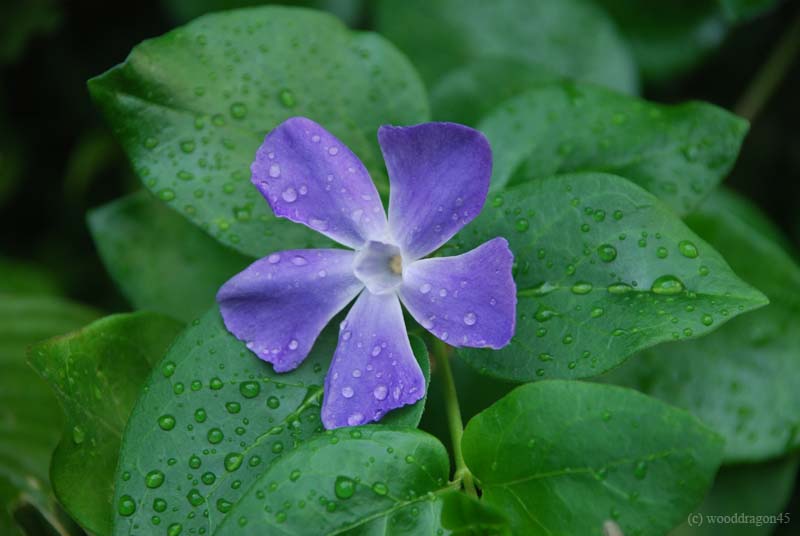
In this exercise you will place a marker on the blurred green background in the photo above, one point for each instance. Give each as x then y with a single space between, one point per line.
58 159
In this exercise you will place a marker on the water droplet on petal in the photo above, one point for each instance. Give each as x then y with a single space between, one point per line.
289 195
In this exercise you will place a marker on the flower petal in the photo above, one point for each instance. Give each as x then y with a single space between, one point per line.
468 300
279 304
373 370
308 176
439 175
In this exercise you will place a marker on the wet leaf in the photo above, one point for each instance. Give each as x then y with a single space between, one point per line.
192 106
209 422
96 374
160 261
603 270
679 153
628 458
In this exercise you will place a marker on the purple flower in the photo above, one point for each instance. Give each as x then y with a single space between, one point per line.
439 175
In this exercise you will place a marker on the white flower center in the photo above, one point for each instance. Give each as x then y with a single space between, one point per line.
379 266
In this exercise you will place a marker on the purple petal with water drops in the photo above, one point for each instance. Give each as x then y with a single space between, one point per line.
279 304
373 370
439 175
468 300
308 176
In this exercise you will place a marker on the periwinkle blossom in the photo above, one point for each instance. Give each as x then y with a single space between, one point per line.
439 177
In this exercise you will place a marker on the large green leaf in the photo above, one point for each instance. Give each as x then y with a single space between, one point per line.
741 380
192 106
356 481
160 261
759 491
96 374
562 457
30 421
209 422
572 37
603 269
679 153
669 38
466 94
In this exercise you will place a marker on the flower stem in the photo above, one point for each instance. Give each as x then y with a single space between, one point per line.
454 422
771 73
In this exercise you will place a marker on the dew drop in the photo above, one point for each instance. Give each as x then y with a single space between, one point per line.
687 249
470 319
154 479
667 285
166 422
289 195
249 389
380 392
607 252
347 392
126 506
344 487
275 171
581 287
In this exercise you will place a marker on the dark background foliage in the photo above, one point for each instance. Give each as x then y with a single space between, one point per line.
58 158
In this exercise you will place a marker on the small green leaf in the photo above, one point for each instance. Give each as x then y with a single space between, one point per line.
737 10
463 515
186 10
191 108
741 380
22 21
466 94
678 153
572 37
358 480
216 412
96 374
603 270
160 261
563 457
30 421
760 490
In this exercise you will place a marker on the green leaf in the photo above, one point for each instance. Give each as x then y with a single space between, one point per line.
572 37
603 270
678 153
22 21
737 10
466 94
191 108
96 374
185 10
25 279
160 261
466 516
371 480
741 380
30 421
216 412
757 490
562 457
669 38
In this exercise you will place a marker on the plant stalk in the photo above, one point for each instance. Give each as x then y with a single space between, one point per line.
454 422
771 73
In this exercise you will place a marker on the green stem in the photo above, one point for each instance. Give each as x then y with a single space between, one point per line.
454 422
771 73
